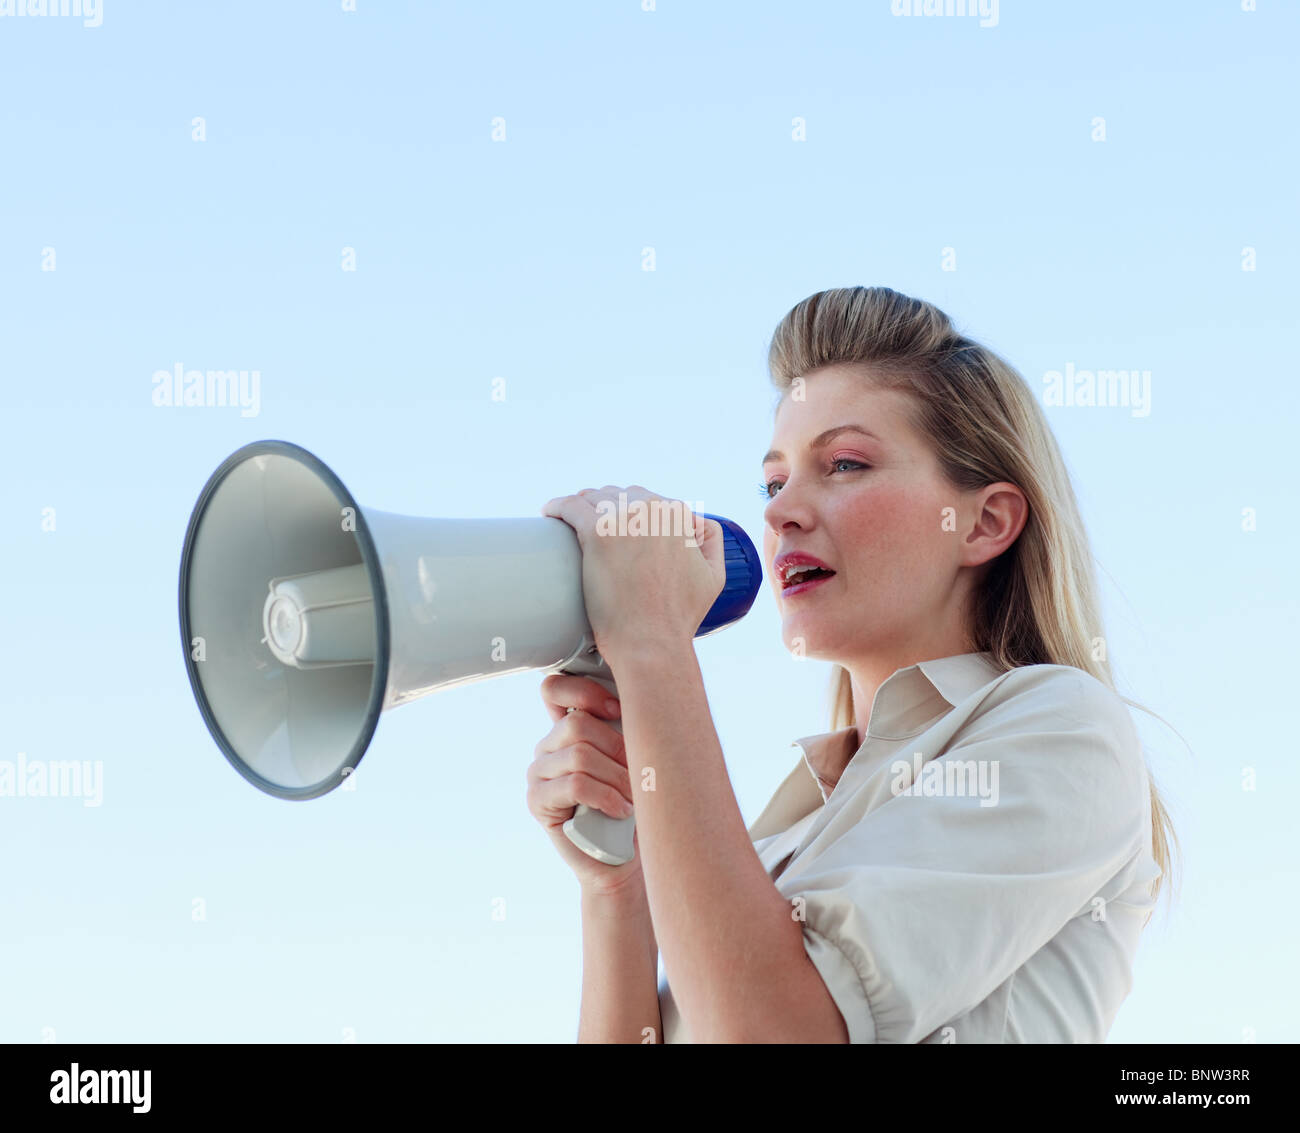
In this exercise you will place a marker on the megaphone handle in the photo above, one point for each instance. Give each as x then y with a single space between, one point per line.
606 839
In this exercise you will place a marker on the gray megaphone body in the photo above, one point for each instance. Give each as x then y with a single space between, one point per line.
304 616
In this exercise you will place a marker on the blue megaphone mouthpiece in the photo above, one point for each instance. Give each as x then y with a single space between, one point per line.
744 577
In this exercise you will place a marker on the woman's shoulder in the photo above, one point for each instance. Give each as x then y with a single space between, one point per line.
1058 724
1067 683
1064 696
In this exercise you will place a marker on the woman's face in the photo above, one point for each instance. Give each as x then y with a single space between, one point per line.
872 509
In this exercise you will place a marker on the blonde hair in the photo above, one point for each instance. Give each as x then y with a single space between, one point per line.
1037 604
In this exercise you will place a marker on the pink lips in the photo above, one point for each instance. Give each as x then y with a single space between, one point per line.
800 587
799 558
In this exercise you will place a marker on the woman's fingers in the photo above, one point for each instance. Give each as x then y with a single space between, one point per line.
581 758
553 800
578 727
562 691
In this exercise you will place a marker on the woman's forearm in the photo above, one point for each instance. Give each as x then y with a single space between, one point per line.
733 948
620 972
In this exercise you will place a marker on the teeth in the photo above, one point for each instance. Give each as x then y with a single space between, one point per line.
798 568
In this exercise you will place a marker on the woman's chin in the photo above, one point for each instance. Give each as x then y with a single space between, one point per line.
802 646
804 640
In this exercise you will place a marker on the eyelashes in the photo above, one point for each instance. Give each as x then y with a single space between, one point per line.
765 489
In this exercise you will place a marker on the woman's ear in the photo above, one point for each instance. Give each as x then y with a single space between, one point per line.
999 514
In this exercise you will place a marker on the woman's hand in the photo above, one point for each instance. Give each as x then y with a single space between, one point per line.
582 760
651 568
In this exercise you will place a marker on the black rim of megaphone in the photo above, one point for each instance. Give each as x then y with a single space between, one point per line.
379 679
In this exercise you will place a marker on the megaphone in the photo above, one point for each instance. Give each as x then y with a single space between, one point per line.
304 616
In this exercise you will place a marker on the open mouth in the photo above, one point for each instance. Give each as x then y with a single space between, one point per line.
803 577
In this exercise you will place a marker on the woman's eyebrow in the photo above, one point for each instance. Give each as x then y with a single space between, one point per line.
824 438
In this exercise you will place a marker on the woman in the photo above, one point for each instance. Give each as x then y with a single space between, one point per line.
972 851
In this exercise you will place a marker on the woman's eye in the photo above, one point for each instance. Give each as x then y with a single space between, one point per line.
765 490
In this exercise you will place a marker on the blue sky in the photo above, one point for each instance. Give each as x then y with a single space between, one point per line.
375 914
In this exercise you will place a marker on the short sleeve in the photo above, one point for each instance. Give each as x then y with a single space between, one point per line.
917 910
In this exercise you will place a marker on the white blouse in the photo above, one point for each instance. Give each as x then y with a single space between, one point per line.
981 870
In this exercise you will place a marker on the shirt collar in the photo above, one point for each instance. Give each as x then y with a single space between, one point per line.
905 705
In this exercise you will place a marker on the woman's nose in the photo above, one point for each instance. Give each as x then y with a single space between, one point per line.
784 509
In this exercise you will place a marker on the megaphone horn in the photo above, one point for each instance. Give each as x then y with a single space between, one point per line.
305 616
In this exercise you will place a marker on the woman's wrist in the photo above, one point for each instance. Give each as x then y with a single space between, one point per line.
649 655
626 903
